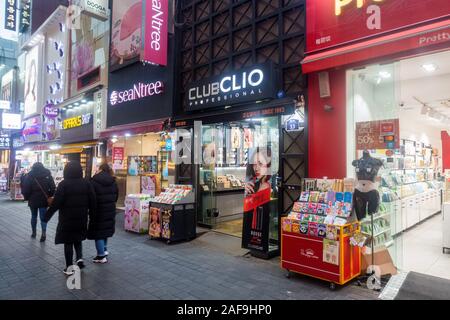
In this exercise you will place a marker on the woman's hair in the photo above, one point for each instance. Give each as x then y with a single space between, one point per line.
73 170
250 172
37 166
104 167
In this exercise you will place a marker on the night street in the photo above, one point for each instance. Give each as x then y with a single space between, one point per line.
140 268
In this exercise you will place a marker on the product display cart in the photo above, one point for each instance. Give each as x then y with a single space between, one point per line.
172 214
318 239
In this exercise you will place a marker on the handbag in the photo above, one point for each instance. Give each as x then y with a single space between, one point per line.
49 199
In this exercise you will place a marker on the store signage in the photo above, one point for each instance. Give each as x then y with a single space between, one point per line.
267 112
11 15
384 134
25 16
332 23
5 141
138 91
155 31
249 84
32 129
50 111
292 125
11 121
96 8
118 157
17 143
77 121
6 88
5 105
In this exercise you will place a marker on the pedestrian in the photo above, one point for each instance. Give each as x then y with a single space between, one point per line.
38 187
75 200
102 223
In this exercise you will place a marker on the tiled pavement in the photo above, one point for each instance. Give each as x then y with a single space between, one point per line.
140 268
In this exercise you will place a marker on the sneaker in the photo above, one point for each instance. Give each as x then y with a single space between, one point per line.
80 263
68 273
99 259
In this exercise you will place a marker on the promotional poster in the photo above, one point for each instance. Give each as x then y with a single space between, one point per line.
255 233
31 81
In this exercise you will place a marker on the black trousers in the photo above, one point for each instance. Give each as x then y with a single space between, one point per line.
365 203
68 252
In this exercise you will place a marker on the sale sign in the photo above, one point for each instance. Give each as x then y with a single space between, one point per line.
155 31
381 134
335 22
118 156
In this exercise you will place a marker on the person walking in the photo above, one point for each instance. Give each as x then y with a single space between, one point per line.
75 200
103 221
38 188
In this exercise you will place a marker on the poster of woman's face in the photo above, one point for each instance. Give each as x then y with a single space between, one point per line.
31 80
259 170
125 32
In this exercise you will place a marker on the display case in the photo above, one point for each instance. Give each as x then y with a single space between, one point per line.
172 214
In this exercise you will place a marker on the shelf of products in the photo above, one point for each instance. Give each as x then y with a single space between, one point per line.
318 237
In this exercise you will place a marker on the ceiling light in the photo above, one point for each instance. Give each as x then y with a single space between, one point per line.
378 80
84 100
77 104
385 74
429 67
127 135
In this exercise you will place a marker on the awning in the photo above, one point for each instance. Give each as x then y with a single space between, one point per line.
434 34
134 128
74 147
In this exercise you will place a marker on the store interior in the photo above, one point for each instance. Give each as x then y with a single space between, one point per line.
226 150
415 91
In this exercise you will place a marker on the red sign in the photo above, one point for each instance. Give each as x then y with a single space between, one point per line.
118 154
334 22
384 134
155 30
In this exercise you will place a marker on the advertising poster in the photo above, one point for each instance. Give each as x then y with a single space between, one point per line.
165 223
248 138
133 166
155 42
235 138
125 33
381 134
32 130
155 222
331 251
7 81
255 233
118 156
31 81
149 185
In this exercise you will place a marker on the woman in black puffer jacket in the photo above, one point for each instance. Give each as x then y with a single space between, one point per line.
102 223
75 200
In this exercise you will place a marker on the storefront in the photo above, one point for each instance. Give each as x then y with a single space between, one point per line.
379 84
233 129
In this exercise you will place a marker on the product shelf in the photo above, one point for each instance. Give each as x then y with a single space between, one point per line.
378 233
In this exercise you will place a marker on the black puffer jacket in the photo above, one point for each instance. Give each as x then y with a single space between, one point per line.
75 200
102 223
31 190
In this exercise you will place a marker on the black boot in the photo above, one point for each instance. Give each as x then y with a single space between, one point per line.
43 237
33 235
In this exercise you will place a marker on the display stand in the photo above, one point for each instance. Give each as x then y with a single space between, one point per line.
136 213
173 215
304 254
15 190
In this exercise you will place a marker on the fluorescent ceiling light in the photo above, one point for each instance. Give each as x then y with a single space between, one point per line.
385 74
429 67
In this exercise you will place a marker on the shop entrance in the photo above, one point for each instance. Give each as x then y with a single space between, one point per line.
238 158
412 95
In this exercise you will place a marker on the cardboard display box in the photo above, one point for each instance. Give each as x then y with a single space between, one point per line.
382 259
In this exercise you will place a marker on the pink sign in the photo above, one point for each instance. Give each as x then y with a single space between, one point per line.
155 30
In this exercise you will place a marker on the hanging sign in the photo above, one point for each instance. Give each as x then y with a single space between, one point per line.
11 15
155 31
25 16
50 111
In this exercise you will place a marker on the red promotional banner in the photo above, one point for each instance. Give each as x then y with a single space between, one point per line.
334 22
382 134
155 31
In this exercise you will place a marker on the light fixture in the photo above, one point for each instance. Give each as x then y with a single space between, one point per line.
378 80
27 149
429 67
77 104
114 136
114 140
385 74
83 101
55 147
127 135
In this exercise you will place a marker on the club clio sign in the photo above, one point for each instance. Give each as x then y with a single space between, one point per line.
138 91
155 31
335 22
249 84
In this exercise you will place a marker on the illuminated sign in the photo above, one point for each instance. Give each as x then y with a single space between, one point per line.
5 105
96 8
25 16
50 111
250 84
77 121
12 121
339 4
155 31
138 91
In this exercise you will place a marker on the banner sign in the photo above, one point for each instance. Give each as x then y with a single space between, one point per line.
382 134
25 16
155 31
11 15
335 22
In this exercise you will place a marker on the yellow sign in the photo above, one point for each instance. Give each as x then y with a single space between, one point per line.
339 4
76 122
